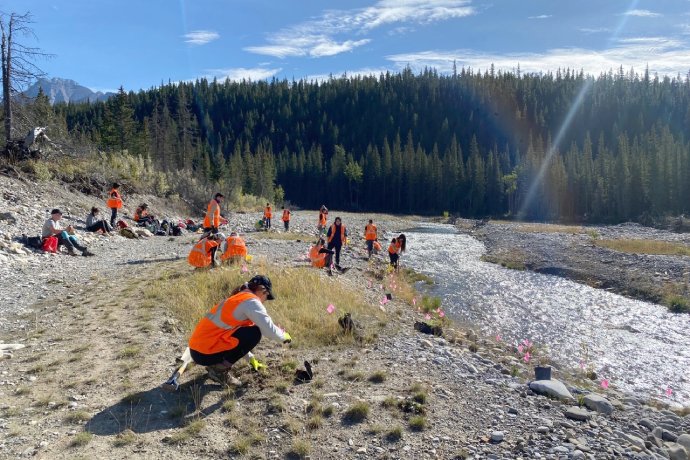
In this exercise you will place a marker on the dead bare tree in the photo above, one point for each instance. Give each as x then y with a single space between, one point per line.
18 62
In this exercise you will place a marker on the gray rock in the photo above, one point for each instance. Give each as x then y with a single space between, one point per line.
578 455
684 440
645 422
543 429
9 217
577 413
657 432
676 452
634 440
553 388
497 436
598 403
670 436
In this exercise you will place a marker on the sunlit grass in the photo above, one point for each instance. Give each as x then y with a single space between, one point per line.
302 295
645 247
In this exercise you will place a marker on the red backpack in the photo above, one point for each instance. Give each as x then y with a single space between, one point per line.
50 244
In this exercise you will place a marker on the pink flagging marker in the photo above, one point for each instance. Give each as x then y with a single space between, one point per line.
527 357
244 269
605 384
330 309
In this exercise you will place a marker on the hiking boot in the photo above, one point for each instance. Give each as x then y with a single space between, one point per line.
72 252
87 253
221 374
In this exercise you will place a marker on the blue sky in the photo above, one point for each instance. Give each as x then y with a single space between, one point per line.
139 44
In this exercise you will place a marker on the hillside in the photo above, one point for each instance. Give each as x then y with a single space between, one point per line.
101 334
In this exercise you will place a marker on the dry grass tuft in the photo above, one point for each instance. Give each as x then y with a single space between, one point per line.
645 247
302 295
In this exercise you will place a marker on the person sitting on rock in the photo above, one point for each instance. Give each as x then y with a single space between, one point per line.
142 216
320 256
95 224
65 236
235 249
203 254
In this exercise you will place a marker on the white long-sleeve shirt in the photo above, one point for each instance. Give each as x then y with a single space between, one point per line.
254 311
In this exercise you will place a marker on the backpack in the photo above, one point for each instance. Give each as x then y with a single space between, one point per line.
50 244
122 224
33 241
165 228
128 233
176 231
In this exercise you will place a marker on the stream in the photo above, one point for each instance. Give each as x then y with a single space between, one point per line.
638 346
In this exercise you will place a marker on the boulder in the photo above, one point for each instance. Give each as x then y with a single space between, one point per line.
598 403
553 388
577 413
684 440
676 451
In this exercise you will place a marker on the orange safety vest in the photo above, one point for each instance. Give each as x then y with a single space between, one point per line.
342 233
267 212
317 259
235 248
200 255
212 217
140 214
393 248
214 332
286 215
370 232
114 201
322 218
377 246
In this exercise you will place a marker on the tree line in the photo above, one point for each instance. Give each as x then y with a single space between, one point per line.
470 143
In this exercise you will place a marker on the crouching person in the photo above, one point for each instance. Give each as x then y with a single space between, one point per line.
320 256
203 254
94 223
235 249
65 236
233 328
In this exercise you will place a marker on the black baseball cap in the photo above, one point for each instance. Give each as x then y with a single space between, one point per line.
261 280
55 211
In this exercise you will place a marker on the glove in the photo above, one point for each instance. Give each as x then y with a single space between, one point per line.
287 338
256 364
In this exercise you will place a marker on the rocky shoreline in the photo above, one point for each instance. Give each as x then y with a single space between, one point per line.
571 252
72 392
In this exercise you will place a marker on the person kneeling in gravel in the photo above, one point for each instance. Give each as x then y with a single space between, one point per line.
94 223
232 328
65 236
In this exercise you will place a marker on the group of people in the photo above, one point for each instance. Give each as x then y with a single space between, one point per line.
268 215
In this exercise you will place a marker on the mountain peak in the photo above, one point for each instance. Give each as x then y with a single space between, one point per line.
65 90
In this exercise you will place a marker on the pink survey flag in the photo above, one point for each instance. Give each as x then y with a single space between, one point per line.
498 337
527 357
244 269
414 301
441 313
427 316
669 392
330 309
605 384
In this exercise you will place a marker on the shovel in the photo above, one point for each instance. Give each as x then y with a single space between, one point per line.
172 383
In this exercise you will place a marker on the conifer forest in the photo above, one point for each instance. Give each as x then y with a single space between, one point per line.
560 146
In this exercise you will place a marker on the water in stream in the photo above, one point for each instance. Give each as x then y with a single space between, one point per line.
640 347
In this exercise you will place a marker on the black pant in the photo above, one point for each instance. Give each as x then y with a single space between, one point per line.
113 216
249 337
394 259
337 246
286 223
100 225
267 222
370 247
70 243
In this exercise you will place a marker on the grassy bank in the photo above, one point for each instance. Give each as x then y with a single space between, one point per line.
641 246
302 298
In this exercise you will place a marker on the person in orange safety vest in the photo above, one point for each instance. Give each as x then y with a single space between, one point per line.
394 253
212 217
286 219
370 235
232 328
235 249
203 253
268 214
323 219
114 202
320 256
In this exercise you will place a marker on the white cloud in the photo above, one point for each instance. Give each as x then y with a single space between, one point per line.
200 37
541 16
599 30
642 13
663 56
240 73
684 29
364 72
323 36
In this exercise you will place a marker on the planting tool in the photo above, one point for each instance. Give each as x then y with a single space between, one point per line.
172 383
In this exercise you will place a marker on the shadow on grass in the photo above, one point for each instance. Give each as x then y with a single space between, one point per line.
155 410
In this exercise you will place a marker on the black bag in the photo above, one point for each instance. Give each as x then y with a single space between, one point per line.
176 231
426 328
35 242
